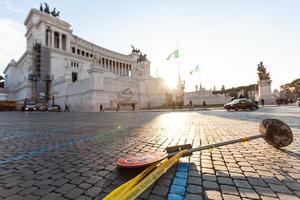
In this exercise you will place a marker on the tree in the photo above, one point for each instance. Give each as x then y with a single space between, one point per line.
222 88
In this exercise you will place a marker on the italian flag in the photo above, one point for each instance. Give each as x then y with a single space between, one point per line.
174 54
195 70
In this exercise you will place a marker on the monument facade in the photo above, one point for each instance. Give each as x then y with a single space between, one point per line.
59 67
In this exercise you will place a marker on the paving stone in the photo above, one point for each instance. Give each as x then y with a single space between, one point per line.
85 186
248 193
78 180
72 175
51 196
180 190
103 173
160 190
28 191
279 188
179 181
227 189
193 197
212 194
164 182
103 183
65 188
44 191
195 180
284 196
82 197
31 197
9 192
209 177
15 197
208 171
60 182
93 192
230 197
74 193
293 185
226 181
256 182
172 196
156 197
268 198
265 191
210 185
242 183
195 189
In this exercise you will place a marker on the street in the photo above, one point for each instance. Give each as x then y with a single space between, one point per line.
73 155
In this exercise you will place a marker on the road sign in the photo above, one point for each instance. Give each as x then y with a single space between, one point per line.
141 160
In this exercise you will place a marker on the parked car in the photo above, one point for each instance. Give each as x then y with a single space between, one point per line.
243 103
30 106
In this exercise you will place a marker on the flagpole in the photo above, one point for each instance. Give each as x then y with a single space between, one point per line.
178 61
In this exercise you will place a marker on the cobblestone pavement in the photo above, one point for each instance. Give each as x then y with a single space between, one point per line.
73 155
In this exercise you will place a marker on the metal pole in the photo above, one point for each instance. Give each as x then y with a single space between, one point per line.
188 151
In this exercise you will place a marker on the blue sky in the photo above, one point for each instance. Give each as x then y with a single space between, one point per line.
226 38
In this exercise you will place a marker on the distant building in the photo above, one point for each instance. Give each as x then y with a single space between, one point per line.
290 90
201 94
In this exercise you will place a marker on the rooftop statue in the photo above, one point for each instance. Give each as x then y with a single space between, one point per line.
142 57
135 50
262 72
54 13
47 10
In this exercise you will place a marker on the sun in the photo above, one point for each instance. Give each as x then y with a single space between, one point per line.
171 82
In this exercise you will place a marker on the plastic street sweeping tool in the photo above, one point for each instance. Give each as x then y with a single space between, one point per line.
275 132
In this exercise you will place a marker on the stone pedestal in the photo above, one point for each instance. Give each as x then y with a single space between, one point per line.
96 94
265 92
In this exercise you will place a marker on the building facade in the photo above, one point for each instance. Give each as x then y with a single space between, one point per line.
201 95
61 68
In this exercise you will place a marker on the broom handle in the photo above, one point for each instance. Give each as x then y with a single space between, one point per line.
220 144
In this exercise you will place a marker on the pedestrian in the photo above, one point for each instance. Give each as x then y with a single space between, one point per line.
262 102
204 103
132 107
101 107
191 105
66 107
118 107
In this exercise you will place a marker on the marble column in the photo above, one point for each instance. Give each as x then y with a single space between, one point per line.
49 37
52 38
60 41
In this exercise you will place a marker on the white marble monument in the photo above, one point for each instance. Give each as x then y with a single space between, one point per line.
61 66
264 86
